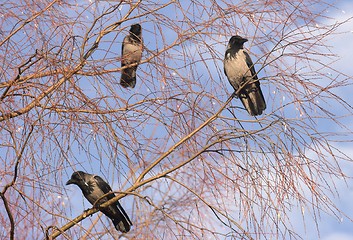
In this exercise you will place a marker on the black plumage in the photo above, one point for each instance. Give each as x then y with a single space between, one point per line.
93 187
241 74
131 53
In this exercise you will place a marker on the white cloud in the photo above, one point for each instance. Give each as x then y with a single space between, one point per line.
338 236
343 42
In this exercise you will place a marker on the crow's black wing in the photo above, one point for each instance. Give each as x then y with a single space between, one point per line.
122 51
250 65
104 187
115 212
226 57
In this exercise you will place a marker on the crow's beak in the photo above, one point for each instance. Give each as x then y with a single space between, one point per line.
70 182
244 40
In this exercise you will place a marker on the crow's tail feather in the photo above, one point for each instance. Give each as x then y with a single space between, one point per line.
254 101
122 225
119 217
128 77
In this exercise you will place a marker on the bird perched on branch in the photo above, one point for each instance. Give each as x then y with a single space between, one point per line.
131 53
93 188
241 74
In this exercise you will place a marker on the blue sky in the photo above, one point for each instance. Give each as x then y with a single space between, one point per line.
88 152
330 227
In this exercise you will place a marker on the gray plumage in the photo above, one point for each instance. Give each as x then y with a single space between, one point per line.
131 53
240 70
93 187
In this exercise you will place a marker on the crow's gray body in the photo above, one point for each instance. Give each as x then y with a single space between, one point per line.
131 53
93 188
241 74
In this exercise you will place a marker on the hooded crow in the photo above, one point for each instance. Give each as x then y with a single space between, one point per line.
131 53
94 187
241 73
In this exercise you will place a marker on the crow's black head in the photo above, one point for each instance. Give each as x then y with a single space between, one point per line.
77 178
237 41
136 29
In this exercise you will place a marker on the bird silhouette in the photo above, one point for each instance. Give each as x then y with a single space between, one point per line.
241 74
93 188
131 53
